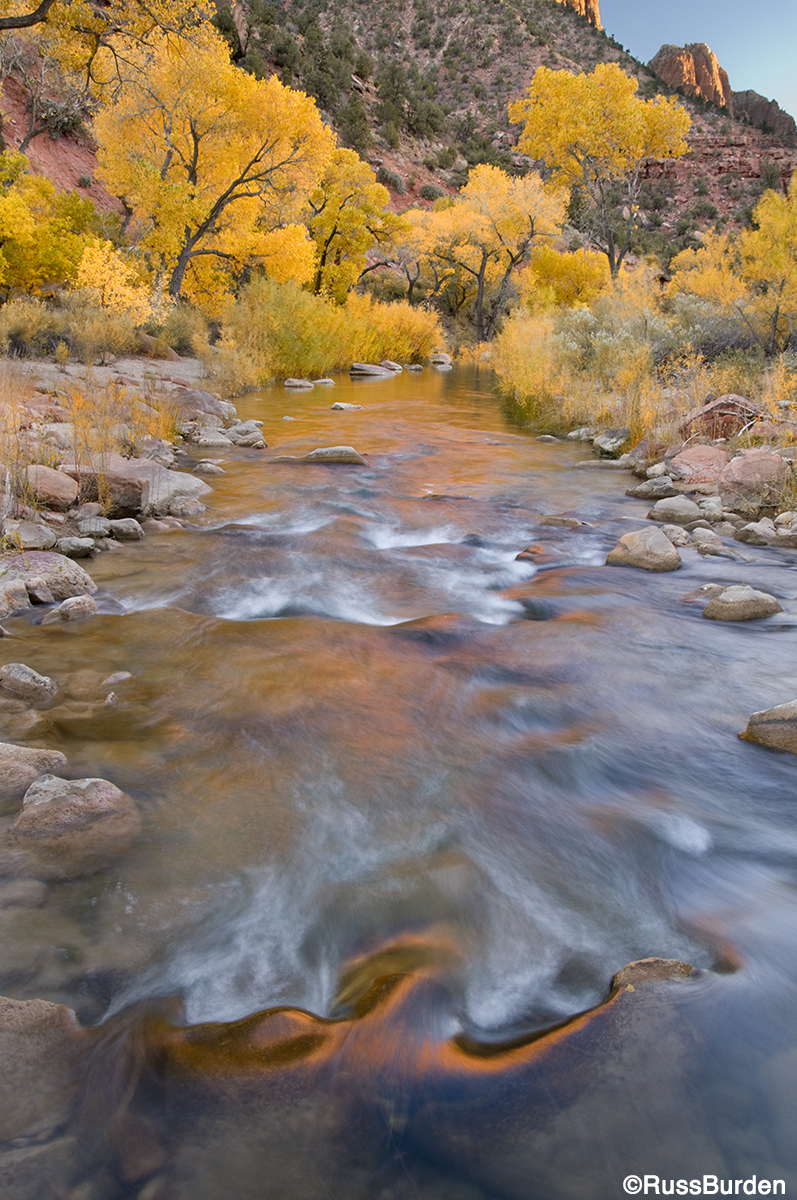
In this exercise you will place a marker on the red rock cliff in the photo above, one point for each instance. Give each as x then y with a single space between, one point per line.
695 70
588 8
761 111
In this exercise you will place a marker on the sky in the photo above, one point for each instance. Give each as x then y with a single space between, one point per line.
756 44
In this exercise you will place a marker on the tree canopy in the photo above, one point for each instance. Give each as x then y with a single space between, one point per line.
595 133
213 165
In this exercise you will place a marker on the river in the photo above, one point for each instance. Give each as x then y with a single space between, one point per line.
414 802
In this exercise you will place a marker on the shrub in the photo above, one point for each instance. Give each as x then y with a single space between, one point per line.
430 191
184 329
276 330
391 180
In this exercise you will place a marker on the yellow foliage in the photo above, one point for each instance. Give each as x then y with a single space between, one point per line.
274 331
211 161
753 274
554 279
593 131
42 231
112 281
347 215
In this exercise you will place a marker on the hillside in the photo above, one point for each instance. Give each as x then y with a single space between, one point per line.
421 91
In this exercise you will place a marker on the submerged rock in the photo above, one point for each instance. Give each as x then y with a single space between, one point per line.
341 406
774 727
650 970
28 685
647 549
325 455
69 828
21 765
741 603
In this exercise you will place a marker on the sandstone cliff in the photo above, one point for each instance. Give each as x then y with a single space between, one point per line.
587 8
762 112
695 70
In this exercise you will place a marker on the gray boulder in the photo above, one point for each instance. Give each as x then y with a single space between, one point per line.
20 765
675 510
648 549
14 597
69 828
340 406
326 455
756 533
51 488
298 385
611 442
741 603
658 488
29 535
74 609
370 370
63 577
774 727
126 529
28 685
677 535
137 485
74 547
95 527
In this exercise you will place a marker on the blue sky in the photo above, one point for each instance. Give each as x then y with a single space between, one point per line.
756 44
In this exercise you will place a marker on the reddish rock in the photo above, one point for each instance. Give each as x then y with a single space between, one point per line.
723 417
773 431
760 111
695 70
53 488
755 479
698 464
587 8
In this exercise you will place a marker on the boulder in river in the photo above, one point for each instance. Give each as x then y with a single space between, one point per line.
14 597
774 727
76 547
756 533
76 608
611 442
63 577
649 549
126 529
677 535
28 685
298 385
650 970
369 370
341 406
440 359
675 510
137 485
658 488
326 455
741 603
20 765
69 828
391 366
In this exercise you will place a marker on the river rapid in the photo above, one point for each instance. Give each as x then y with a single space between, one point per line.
414 802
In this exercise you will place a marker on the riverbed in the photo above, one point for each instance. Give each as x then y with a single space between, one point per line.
416 801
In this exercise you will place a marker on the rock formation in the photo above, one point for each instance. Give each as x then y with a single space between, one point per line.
764 113
587 8
694 69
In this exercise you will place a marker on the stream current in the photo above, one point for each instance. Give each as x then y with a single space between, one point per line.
415 802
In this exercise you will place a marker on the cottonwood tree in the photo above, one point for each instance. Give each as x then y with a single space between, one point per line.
487 233
751 276
593 132
347 216
214 166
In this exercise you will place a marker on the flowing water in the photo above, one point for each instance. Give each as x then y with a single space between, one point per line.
414 802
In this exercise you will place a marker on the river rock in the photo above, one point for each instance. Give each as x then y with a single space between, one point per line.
38 592
51 488
753 480
675 510
205 467
298 385
95 527
756 533
75 609
340 406
20 765
14 597
74 547
210 438
391 366
565 522
325 381
29 535
69 828
137 485
440 359
707 542
774 727
741 603
38 1044
126 529
194 402
649 549
26 684
650 970
369 369
677 535
658 488
610 442
698 464
326 455
63 577
723 417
